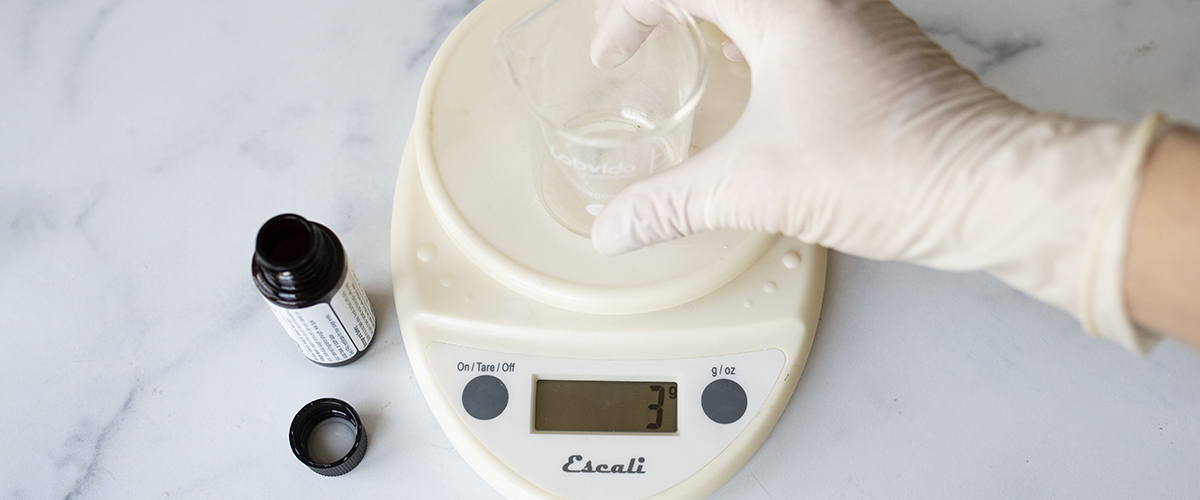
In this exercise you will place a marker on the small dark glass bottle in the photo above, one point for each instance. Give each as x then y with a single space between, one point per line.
302 270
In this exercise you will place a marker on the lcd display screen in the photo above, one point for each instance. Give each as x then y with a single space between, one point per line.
605 406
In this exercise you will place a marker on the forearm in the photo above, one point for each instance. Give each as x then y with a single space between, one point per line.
1162 266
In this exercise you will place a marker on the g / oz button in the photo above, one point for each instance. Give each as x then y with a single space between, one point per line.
485 397
724 401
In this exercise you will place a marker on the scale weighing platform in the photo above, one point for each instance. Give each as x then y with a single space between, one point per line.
554 371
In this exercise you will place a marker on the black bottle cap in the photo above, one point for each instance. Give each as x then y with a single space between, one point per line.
307 419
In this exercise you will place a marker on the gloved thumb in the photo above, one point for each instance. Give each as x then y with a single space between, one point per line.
699 194
625 24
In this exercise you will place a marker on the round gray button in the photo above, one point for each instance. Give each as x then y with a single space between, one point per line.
485 397
724 401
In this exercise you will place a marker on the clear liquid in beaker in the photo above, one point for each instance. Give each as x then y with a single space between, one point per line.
580 177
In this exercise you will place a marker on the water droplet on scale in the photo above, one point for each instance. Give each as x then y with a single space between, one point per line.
468 299
748 303
427 252
770 287
791 260
447 280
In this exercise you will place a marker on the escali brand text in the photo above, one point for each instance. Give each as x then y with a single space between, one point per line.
575 463
620 169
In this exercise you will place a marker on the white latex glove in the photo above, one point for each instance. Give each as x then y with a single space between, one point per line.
862 135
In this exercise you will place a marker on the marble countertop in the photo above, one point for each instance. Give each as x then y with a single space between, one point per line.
143 143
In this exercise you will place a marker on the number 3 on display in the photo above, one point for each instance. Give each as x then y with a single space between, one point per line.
658 408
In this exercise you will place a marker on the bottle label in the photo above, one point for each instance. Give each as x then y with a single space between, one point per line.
334 331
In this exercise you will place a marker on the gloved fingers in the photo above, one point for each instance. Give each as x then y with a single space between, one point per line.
682 201
649 212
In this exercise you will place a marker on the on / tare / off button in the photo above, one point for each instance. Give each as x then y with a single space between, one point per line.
485 397
724 401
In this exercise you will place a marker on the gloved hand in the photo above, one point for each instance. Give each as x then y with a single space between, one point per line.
862 135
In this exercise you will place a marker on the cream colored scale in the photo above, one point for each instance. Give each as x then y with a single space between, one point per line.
662 371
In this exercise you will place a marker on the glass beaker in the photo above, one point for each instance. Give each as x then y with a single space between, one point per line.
596 131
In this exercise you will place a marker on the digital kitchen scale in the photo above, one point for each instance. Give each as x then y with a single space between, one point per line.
559 373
